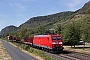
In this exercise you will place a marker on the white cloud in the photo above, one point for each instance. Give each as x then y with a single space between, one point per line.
2 4
29 0
22 7
20 15
51 12
10 4
3 24
75 4
1 15
26 0
18 6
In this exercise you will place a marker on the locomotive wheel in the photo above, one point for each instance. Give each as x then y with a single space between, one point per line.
47 50
52 52
44 49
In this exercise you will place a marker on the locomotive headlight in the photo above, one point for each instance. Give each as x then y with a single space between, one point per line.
60 43
53 43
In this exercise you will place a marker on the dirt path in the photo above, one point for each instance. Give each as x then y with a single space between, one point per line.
3 53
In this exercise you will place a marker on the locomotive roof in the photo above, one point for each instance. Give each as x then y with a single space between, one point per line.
40 35
45 35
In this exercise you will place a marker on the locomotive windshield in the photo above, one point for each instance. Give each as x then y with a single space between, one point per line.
56 38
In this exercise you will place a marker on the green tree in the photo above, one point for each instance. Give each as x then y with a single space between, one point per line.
22 32
71 33
85 29
58 29
30 32
41 30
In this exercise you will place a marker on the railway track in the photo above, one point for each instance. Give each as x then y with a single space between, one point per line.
69 56
80 56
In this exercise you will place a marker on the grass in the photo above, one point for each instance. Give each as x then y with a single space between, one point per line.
40 53
36 52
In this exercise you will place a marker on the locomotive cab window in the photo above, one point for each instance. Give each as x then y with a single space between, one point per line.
54 38
59 38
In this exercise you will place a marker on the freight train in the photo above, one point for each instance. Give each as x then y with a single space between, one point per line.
51 42
16 39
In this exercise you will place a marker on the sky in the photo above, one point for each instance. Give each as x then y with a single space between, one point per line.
16 12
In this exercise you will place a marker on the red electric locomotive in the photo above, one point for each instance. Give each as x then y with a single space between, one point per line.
50 42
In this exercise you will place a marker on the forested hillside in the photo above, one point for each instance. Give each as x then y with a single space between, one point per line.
8 29
46 20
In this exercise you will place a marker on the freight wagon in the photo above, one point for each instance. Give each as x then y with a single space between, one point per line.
16 39
28 40
10 37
